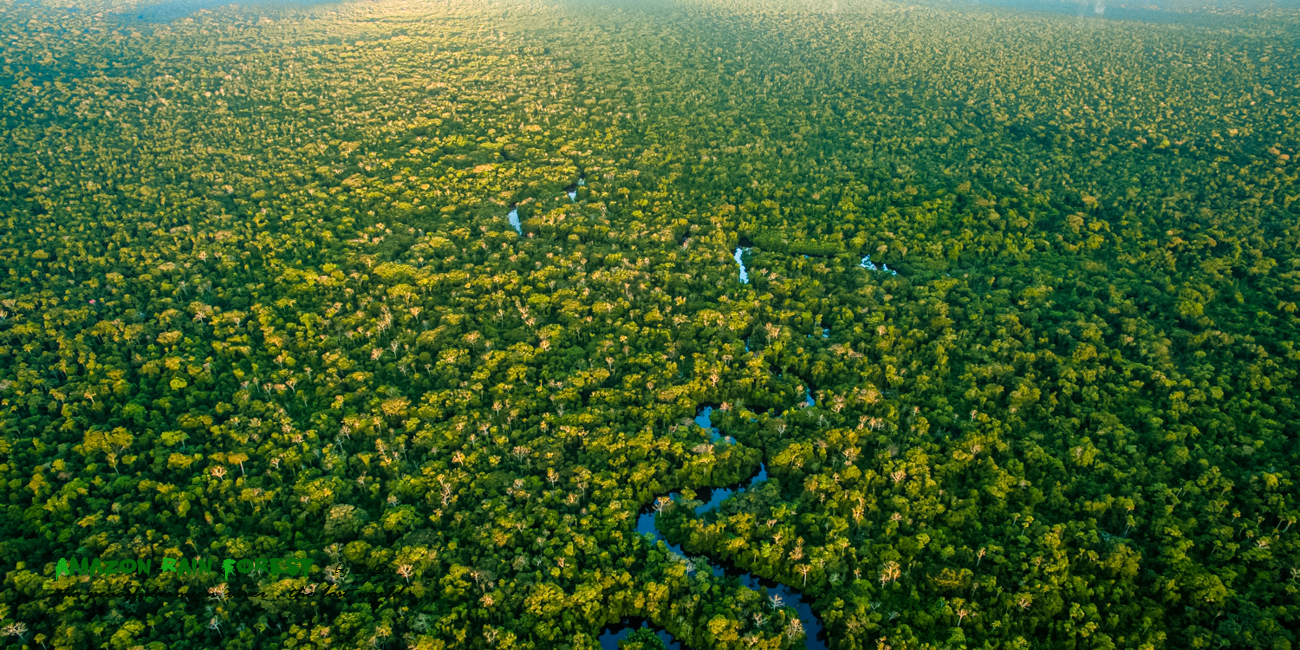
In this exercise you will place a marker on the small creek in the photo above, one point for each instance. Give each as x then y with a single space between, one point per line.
744 273
789 597
867 264
513 218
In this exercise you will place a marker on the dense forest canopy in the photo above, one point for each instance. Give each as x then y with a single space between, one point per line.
259 297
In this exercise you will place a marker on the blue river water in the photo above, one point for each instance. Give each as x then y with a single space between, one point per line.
789 597
744 273
867 264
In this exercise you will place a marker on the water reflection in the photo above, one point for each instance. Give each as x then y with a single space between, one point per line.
781 595
612 635
705 421
513 218
744 274
871 266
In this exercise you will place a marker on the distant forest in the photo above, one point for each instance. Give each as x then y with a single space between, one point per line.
430 293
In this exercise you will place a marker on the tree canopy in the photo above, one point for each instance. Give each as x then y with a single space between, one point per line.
260 297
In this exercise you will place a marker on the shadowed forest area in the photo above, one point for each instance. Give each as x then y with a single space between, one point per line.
430 293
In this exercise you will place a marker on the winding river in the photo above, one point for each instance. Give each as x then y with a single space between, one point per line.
790 597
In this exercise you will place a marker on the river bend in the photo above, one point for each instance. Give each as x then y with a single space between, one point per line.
790 597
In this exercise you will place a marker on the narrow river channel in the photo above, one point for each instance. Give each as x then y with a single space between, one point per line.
513 218
744 273
789 596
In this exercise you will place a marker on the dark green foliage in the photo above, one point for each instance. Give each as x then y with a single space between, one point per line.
259 298
641 639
